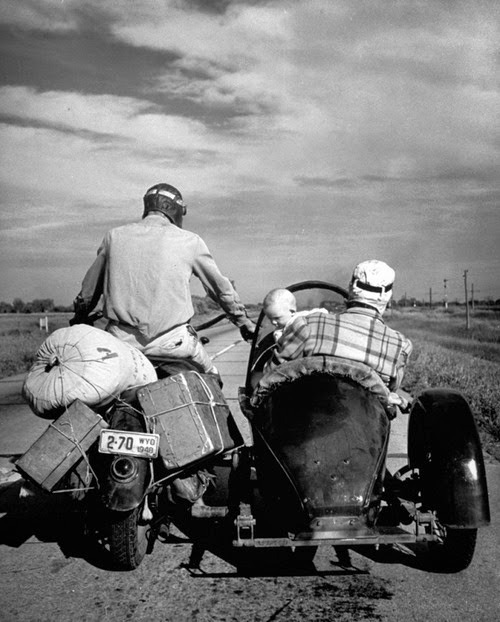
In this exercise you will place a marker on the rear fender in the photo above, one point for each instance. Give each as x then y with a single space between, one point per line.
444 445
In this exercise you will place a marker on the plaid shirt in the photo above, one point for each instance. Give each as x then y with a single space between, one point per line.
358 334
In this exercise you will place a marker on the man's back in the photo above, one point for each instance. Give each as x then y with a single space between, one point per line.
142 274
146 283
356 334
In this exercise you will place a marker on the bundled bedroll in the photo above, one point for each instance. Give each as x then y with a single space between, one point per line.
83 363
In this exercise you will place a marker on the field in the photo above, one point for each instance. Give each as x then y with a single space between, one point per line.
21 336
445 355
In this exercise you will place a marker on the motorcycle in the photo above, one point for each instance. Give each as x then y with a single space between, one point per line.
315 475
117 481
137 495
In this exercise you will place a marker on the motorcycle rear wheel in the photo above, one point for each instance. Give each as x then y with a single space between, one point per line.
128 539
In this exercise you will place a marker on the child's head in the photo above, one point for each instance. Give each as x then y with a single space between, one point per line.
280 306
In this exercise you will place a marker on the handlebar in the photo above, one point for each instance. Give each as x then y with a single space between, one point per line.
210 323
94 317
89 319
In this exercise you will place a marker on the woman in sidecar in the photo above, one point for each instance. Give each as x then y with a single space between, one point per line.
321 427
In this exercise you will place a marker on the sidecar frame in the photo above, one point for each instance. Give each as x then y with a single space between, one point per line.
437 460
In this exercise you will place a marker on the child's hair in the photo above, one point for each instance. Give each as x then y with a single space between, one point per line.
280 296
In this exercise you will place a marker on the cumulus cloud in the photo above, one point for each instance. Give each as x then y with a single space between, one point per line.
57 140
49 15
109 116
234 38
318 124
353 90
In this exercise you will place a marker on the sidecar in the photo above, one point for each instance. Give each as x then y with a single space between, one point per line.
318 471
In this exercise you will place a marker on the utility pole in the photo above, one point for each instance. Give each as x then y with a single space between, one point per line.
445 295
467 323
430 297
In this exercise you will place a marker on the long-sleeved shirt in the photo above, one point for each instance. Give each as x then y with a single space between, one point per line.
358 334
143 271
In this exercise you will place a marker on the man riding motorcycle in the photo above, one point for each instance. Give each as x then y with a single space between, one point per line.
142 271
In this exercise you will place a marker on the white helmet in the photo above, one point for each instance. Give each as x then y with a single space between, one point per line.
371 284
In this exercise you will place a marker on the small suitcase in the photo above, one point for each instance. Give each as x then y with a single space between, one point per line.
62 445
191 415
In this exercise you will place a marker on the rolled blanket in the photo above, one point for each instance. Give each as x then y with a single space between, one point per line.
85 363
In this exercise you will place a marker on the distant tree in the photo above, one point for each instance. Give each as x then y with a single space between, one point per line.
6 307
18 305
42 305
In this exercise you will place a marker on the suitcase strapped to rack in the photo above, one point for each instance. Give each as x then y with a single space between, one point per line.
62 446
191 414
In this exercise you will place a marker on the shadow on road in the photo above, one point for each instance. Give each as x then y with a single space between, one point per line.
28 512
411 556
215 537
31 513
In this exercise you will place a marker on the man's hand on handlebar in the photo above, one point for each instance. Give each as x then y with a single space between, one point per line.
247 331
80 318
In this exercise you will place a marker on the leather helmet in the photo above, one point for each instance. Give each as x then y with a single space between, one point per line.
166 199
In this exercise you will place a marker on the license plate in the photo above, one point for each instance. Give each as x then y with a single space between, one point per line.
129 443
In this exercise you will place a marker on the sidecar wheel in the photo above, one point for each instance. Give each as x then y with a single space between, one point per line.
455 550
128 539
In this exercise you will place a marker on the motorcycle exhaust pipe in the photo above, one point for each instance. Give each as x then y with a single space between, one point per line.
124 469
125 483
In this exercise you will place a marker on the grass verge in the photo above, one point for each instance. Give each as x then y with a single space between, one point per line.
447 355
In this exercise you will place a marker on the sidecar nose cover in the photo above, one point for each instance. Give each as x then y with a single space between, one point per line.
329 436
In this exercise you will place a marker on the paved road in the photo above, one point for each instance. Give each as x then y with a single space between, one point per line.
43 577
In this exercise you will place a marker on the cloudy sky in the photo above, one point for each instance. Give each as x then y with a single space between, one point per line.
305 136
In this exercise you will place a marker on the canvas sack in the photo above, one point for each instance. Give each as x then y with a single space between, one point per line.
85 363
